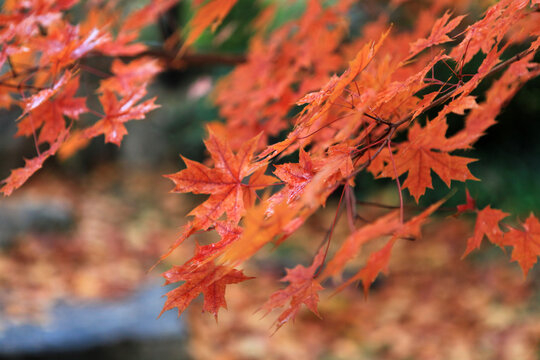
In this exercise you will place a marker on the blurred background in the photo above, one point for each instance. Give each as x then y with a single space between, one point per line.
77 242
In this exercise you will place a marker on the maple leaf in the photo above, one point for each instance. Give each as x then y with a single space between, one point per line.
229 233
208 279
50 114
483 115
438 33
526 243
418 158
470 203
131 75
19 176
72 144
335 167
65 45
376 263
122 45
487 223
384 225
319 103
262 223
147 15
295 176
485 33
119 112
42 96
412 228
224 183
209 15
379 260
303 289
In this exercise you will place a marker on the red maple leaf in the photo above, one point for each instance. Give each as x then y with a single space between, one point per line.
49 116
526 243
118 112
420 155
379 260
438 33
209 15
19 176
208 279
229 194
303 289
487 223
224 182
130 76
470 203
42 96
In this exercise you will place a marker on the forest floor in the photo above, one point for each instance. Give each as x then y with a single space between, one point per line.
431 305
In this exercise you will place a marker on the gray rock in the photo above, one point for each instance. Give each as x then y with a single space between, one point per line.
31 215
75 327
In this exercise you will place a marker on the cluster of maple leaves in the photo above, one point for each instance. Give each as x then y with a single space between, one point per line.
345 123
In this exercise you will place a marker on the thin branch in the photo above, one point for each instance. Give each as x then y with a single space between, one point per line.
331 231
190 59
449 95
22 86
389 142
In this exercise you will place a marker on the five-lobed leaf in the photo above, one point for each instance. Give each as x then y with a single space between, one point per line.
487 223
420 155
19 176
303 289
118 112
209 279
211 15
526 243
49 115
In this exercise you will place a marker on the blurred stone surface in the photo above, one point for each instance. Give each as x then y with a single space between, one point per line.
33 215
76 327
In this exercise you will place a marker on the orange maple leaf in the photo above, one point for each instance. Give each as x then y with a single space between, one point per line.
296 177
229 194
303 289
487 223
42 96
351 247
438 34
421 154
49 115
526 243
379 260
209 15
376 263
224 182
208 279
19 176
131 75
119 112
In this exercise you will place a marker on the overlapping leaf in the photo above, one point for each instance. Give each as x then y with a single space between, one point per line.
118 112
487 224
49 115
421 154
526 243
209 15
209 279
303 289
229 194
19 176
